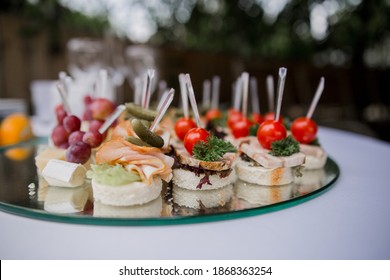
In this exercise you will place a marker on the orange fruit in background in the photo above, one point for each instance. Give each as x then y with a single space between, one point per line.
18 154
15 128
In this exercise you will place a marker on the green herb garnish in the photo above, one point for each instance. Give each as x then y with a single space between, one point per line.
213 149
219 122
285 147
253 129
315 143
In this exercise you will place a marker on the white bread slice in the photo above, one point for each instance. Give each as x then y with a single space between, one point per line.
262 195
147 210
189 180
125 195
207 198
253 149
315 156
259 175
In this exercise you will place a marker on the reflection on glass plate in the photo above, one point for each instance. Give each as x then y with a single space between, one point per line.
24 192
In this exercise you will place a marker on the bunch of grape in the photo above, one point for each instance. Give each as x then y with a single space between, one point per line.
67 135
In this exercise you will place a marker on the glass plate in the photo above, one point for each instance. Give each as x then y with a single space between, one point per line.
24 193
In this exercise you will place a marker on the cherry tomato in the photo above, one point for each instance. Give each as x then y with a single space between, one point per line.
257 118
269 132
182 126
304 130
233 117
213 114
193 136
241 128
270 116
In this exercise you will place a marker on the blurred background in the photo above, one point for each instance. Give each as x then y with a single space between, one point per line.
346 41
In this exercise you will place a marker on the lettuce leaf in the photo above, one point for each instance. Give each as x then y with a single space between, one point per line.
113 175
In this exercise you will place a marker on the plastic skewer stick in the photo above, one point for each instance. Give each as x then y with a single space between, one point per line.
162 87
68 82
114 115
215 93
316 98
245 84
65 80
167 101
281 81
103 75
64 97
191 94
62 76
137 90
237 94
270 93
184 95
147 89
206 94
164 95
254 95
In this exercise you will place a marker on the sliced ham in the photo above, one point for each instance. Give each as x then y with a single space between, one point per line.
146 161
251 147
185 158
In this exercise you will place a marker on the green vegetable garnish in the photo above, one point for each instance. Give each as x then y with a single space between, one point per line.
213 149
113 175
316 143
285 147
253 129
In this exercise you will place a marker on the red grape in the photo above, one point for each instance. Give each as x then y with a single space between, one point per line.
72 123
87 99
59 135
93 138
87 115
76 136
78 152
60 113
94 125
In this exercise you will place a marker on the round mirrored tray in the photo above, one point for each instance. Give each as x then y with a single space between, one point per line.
24 193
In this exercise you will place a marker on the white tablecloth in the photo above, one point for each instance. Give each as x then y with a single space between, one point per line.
350 221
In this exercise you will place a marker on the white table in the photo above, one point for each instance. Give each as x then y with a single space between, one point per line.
349 221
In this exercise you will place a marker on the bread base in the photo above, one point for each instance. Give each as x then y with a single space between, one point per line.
136 193
263 195
189 180
147 210
207 198
263 176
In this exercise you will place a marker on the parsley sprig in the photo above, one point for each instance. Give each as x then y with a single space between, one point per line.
285 147
213 149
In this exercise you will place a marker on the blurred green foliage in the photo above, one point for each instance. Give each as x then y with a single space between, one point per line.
240 27
50 15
